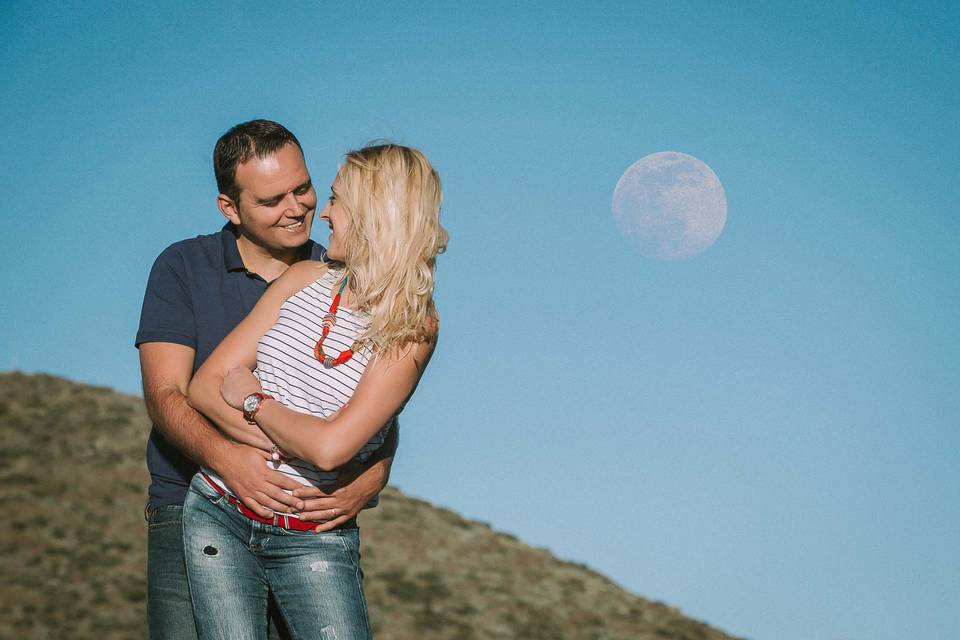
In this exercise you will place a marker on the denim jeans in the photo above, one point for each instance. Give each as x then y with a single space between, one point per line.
233 561
168 596
169 609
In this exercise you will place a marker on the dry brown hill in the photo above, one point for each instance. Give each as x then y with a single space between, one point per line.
72 480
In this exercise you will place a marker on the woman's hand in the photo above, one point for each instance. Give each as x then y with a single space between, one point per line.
237 385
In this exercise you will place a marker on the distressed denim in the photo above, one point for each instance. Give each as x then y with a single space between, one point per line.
169 609
233 562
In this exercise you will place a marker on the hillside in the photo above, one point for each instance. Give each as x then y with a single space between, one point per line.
73 481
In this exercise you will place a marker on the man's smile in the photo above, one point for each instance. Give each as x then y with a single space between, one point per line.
293 226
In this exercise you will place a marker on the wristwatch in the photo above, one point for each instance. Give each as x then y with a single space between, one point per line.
252 404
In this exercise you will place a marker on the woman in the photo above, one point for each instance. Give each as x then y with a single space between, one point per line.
338 348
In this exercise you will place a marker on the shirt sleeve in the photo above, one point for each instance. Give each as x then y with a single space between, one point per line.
167 312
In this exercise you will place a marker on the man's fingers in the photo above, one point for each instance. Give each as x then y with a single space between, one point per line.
272 504
278 479
310 492
325 515
256 507
322 504
287 503
330 524
274 484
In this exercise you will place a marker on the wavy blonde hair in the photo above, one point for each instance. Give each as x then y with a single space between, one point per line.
392 196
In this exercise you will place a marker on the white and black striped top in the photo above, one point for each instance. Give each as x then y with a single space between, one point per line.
290 372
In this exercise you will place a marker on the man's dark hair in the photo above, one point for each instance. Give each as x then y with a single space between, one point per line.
260 138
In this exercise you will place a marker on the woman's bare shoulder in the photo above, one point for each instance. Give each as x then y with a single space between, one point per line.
300 275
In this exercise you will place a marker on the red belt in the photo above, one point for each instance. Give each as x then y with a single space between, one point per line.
278 519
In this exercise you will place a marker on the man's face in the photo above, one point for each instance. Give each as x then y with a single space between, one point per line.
277 200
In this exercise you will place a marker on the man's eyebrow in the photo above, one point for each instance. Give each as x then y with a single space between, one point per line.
270 200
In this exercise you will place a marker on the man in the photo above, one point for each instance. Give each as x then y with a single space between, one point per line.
198 291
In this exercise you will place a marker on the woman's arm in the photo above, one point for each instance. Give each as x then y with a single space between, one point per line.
387 383
239 349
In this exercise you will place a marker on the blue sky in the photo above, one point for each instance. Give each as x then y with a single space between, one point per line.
765 435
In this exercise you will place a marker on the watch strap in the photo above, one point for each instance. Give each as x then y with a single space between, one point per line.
261 398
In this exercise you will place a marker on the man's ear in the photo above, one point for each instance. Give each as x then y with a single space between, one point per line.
228 208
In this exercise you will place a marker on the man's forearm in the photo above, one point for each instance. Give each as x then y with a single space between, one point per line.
185 428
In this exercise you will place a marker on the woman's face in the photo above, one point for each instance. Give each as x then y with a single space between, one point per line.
335 213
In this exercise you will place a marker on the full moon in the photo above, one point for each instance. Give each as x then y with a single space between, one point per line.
670 205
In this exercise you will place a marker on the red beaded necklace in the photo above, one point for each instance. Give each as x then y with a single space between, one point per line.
330 320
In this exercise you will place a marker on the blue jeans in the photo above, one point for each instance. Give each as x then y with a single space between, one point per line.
169 609
233 562
168 596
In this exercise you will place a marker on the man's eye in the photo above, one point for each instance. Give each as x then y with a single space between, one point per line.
302 190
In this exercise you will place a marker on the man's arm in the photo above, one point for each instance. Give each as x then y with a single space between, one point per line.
166 369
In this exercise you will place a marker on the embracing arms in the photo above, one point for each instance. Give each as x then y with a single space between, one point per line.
385 385
166 369
166 342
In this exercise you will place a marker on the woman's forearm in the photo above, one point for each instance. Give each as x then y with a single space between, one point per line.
316 440
204 396
386 385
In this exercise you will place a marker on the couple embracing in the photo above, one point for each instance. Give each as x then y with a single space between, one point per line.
274 372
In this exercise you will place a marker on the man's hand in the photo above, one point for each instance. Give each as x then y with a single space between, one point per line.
260 488
334 505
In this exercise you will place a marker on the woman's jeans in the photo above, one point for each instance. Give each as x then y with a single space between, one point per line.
233 562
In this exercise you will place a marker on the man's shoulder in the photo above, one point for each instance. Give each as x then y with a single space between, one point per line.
202 249
197 244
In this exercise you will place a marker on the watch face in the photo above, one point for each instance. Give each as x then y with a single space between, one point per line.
250 402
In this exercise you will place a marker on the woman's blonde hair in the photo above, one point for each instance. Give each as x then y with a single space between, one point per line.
392 196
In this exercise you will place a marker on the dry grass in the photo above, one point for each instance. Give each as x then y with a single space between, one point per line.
74 481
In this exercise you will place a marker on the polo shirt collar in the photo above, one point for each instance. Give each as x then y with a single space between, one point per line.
231 254
232 261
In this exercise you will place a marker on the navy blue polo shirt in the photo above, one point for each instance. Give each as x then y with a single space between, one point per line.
197 293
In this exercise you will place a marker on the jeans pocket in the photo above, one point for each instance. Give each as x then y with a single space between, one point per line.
200 486
168 515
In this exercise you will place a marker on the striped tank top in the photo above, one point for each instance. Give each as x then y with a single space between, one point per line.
289 371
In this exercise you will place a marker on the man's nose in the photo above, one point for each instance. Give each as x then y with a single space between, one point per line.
292 203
